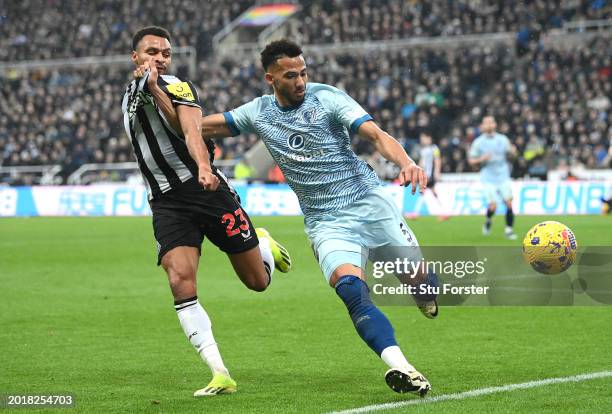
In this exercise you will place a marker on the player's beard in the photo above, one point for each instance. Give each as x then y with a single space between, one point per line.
292 99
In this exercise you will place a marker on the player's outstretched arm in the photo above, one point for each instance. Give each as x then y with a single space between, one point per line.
410 172
190 118
215 126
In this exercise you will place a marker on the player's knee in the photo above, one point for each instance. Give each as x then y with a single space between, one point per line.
181 277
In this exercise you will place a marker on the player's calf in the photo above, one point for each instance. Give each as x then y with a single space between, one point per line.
253 271
371 324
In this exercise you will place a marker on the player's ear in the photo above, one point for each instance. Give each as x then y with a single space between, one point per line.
269 78
135 57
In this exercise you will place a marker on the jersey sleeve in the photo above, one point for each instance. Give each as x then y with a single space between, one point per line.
475 150
436 152
240 120
182 92
342 107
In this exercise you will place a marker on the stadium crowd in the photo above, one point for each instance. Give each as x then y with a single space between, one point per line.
57 29
553 102
334 21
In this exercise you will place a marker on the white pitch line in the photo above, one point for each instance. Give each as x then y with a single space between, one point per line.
477 392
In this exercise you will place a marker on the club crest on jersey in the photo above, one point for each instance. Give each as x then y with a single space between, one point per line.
310 116
296 142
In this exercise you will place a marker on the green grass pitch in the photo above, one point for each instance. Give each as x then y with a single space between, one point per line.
84 310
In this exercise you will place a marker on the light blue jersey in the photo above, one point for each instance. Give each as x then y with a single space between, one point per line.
311 145
497 169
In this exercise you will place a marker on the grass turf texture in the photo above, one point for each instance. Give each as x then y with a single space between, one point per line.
84 310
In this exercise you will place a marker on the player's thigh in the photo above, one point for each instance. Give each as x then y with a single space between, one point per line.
386 233
381 223
174 226
335 248
229 227
505 191
490 193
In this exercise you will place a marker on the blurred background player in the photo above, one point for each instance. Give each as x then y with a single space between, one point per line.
490 151
431 162
188 196
306 129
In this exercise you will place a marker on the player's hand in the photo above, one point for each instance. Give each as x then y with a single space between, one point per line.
413 175
153 75
486 157
140 71
207 179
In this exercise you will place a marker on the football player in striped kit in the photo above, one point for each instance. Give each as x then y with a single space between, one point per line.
190 199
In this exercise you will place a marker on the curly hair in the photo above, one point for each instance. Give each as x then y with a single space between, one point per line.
279 49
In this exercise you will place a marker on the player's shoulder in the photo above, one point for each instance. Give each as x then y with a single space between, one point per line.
262 102
255 107
478 139
502 137
171 79
322 90
329 96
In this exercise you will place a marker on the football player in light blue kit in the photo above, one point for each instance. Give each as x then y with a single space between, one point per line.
305 126
490 150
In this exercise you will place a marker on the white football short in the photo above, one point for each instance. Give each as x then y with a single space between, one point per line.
347 235
494 191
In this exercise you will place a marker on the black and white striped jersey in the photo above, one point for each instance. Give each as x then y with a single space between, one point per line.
161 151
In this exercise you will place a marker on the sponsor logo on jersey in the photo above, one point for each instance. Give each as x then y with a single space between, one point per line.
296 142
301 157
181 90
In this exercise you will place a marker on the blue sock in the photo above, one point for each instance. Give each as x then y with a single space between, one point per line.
371 324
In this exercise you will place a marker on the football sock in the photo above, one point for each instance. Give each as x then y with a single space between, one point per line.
371 324
394 357
198 328
489 215
266 255
509 217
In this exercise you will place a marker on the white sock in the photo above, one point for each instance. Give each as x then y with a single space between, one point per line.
198 328
393 356
266 255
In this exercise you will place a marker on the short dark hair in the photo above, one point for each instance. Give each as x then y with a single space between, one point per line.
149 30
279 49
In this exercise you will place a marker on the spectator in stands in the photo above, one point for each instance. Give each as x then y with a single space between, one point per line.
561 95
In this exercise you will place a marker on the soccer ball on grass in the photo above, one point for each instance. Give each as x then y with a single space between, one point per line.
550 247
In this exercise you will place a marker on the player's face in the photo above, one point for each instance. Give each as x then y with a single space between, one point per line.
288 77
488 125
425 139
155 50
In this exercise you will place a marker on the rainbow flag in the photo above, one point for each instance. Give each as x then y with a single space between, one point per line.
266 15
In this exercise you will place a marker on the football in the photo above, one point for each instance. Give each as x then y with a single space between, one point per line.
550 247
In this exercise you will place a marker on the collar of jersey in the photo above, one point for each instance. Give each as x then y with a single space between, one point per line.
288 108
